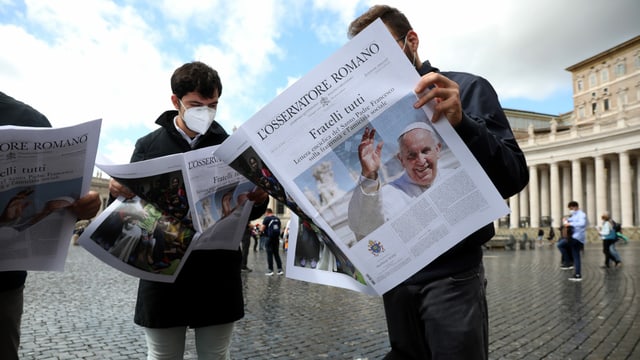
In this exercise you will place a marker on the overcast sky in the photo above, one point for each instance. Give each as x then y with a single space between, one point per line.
81 60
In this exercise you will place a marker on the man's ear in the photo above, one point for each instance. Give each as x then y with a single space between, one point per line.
175 101
412 40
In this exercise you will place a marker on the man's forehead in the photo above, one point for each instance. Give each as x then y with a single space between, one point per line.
195 96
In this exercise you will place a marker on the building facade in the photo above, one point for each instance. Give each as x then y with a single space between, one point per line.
590 155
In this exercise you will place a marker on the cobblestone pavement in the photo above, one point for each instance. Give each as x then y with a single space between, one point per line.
86 312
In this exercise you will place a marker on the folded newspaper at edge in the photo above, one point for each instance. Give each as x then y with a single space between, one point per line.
181 201
303 149
42 171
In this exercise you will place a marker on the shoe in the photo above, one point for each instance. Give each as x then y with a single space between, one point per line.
564 267
269 273
576 278
619 263
246 269
280 272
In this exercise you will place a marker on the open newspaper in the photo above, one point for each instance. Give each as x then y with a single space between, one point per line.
42 172
303 149
182 200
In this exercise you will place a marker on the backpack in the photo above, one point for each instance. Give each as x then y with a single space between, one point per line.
273 227
616 226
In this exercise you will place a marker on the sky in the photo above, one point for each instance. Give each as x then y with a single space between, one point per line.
77 61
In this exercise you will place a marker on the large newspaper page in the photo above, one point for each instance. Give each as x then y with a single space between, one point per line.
182 200
303 148
314 257
42 172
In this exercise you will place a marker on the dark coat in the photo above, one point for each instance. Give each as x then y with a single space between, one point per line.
208 290
486 131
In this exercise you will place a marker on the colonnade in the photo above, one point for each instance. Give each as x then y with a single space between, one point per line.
600 183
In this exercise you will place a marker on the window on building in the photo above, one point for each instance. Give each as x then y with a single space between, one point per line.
623 98
580 85
637 61
279 208
593 81
594 106
604 75
605 104
620 69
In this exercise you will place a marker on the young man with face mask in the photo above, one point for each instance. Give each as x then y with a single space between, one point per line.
441 311
207 294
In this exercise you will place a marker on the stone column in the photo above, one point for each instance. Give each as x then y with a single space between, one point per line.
626 201
514 217
544 192
590 193
534 197
567 193
614 189
601 187
576 181
554 184
524 203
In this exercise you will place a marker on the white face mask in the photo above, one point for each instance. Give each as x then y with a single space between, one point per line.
198 118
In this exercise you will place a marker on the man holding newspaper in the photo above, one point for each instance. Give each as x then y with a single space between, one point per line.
14 112
207 294
441 311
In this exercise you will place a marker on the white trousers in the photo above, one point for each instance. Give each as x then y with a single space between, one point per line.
212 342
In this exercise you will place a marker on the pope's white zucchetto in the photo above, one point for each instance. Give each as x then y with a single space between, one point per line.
416 125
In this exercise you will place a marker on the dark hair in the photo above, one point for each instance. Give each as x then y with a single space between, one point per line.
195 76
392 17
573 204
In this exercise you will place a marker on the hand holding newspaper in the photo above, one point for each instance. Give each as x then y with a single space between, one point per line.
182 201
327 148
42 172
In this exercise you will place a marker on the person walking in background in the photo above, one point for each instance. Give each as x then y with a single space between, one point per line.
245 246
264 240
167 310
271 228
578 222
564 245
255 233
441 311
609 237
540 237
14 112
551 236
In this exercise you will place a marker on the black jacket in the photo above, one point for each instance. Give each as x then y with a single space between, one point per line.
486 131
208 290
